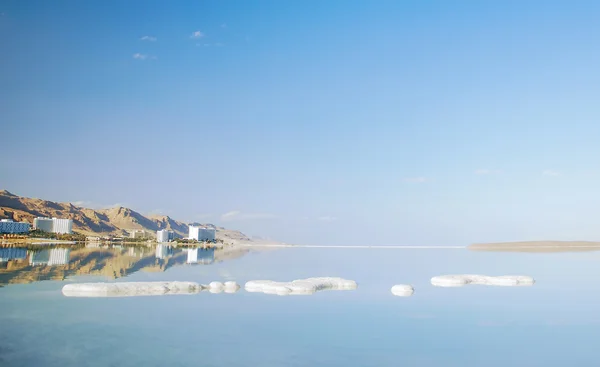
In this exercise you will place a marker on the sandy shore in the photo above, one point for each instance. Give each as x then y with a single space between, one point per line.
537 246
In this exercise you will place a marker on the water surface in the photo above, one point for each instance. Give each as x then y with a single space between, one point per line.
552 323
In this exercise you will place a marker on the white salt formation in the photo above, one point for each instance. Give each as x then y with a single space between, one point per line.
461 280
300 286
130 289
216 285
402 290
231 287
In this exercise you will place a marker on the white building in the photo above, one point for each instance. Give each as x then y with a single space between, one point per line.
54 225
202 233
43 224
8 226
62 225
165 235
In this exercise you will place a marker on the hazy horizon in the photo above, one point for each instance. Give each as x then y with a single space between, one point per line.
339 122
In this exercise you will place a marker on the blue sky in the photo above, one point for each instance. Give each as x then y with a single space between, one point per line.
337 122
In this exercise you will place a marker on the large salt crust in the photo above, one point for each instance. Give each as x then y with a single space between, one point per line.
128 289
300 286
132 289
402 290
461 280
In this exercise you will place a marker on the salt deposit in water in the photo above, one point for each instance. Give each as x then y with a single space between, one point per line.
300 286
461 280
130 289
402 290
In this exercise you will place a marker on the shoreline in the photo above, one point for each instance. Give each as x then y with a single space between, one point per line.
537 246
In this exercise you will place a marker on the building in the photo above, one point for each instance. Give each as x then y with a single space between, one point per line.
54 225
62 225
202 233
8 226
43 224
137 233
165 235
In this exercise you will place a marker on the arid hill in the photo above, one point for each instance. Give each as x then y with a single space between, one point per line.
113 221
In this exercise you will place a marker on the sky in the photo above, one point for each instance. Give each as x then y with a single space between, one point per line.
314 122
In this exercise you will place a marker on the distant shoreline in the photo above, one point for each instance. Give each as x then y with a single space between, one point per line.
537 246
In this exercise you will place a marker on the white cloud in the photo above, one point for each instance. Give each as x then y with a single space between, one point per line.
485 171
415 179
219 44
82 203
327 218
203 44
238 215
197 34
550 172
139 56
148 38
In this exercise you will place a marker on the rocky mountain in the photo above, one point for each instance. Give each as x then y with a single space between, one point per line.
113 221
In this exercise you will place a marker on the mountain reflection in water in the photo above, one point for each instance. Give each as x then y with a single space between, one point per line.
32 264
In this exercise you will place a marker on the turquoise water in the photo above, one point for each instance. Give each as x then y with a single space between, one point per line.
556 322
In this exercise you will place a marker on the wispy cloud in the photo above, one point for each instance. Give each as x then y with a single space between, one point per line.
486 171
224 25
238 215
143 57
139 56
327 218
551 172
148 38
82 203
197 35
219 44
415 179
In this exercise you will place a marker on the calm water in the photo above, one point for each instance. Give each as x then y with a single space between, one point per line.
556 322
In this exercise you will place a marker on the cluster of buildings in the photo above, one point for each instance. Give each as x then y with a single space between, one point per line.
8 226
138 233
197 233
53 225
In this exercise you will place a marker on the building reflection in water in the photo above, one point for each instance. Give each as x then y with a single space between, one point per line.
164 251
29 264
7 254
200 256
50 257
